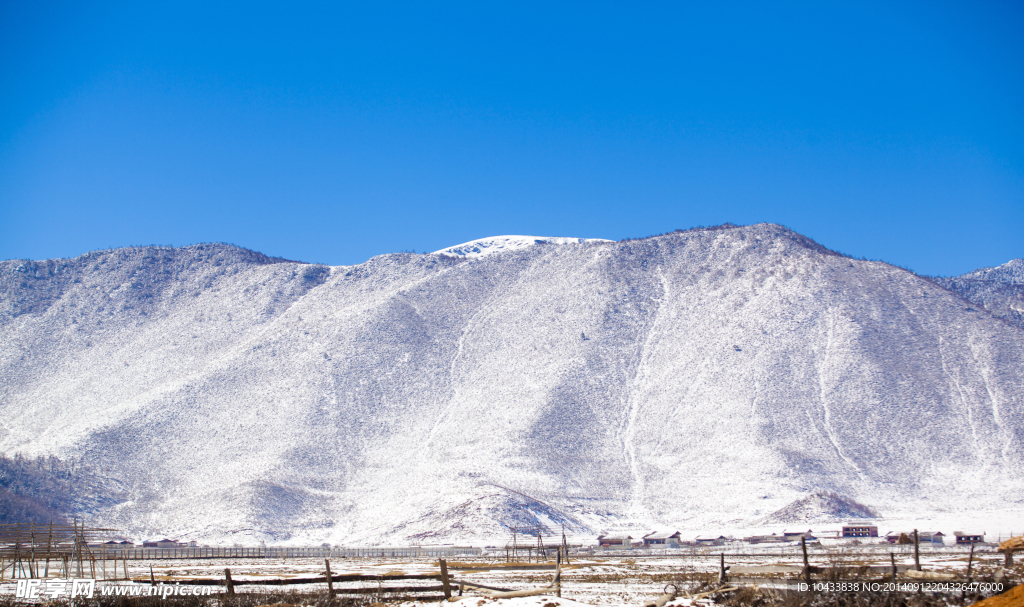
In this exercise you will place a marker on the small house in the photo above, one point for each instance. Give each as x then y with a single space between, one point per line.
764 539
164 543
711 541
116 547
794 536
662 539
968 538
615 541
907 537
857 530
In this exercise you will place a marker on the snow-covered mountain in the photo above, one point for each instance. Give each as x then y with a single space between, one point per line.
700 378
1000 290
820 507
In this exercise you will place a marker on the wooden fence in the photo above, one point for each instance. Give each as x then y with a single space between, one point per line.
447 586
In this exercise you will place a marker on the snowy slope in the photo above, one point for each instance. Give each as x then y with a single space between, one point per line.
1011 272
694 379
1000 290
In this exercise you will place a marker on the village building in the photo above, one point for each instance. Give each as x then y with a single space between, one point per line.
764 539
923 537
794 536
615 541
111 546
899 537
968 538
662 539
711 541
164 543
858 530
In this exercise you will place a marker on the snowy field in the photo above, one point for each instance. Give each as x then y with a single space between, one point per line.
592 579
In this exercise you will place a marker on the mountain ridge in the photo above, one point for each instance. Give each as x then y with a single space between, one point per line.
999 289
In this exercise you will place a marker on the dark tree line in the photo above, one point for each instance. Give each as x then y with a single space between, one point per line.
36 490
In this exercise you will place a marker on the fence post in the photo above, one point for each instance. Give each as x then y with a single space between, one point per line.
227 581
444 579
970 561
917 551
807 565
330 582
558 575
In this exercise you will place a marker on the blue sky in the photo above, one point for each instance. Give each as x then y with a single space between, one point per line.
334 132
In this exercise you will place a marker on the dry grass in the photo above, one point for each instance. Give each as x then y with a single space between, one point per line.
843 569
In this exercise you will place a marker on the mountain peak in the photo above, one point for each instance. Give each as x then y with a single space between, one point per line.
999 290
483 247
1011 272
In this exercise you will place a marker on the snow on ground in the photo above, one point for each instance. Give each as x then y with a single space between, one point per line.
606 580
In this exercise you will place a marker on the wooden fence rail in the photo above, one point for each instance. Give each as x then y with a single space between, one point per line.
448 584
303 580
231 583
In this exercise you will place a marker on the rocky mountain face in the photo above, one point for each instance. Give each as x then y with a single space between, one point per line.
1000 290
706 377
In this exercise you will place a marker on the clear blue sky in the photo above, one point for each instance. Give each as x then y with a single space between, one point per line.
333 132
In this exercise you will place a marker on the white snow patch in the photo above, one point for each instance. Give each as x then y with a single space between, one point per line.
482 247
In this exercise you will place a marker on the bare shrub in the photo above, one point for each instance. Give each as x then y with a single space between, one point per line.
690 581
